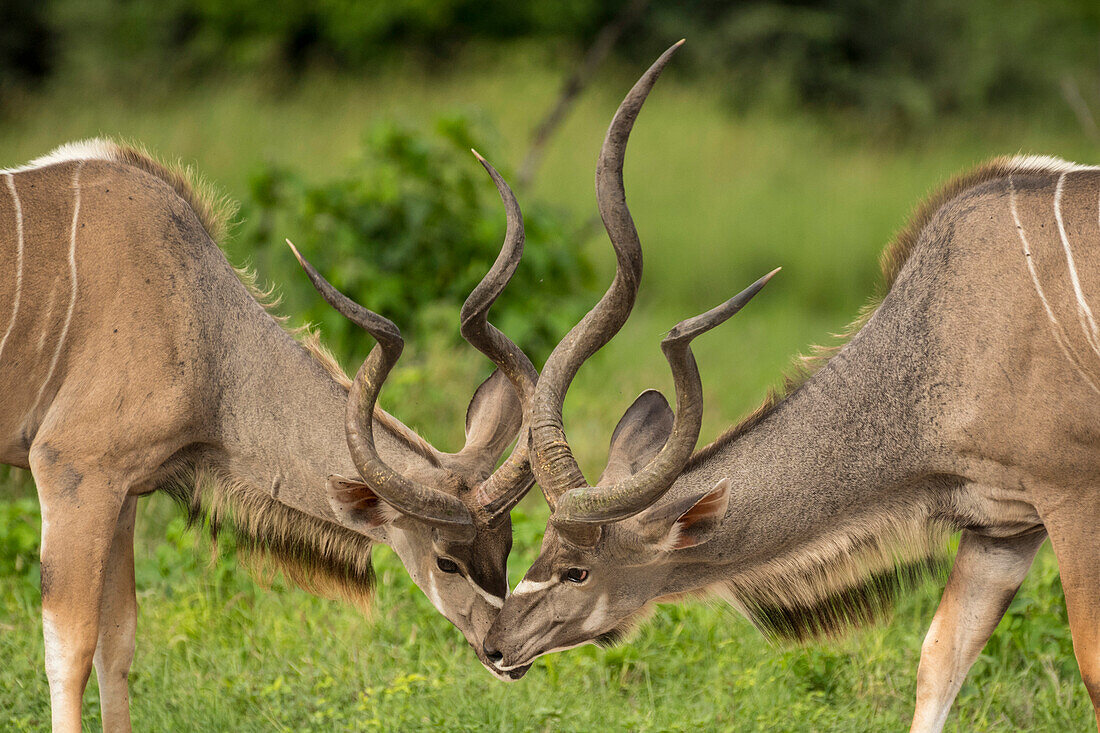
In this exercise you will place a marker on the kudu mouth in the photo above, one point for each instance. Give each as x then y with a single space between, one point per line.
511 674
492 661
520 669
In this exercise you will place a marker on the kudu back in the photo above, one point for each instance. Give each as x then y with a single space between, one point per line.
133 358
968 399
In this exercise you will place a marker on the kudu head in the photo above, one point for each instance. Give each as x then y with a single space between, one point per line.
445 515
606 548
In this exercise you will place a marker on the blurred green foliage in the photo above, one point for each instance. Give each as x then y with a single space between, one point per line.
20 525
908 60
26 44
719 199
218 652
410 229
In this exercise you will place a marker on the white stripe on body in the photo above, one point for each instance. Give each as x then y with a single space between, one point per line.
1084 313
73 285
1059 334
18 260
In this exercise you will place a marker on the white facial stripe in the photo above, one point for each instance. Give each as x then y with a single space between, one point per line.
18 259
433 594
598 616
595 620
72 277
529 586
1056 328
1084 313
494 601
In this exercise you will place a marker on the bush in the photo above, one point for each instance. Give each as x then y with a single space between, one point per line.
409 231
26 45
912 60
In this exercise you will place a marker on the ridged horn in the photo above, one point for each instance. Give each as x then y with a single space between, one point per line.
601 504
554 466
513 479
407 496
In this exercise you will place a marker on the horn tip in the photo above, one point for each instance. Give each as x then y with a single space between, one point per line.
297 254
485 164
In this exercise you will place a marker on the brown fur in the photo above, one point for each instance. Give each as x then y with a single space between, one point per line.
891 261
319 557
798 603
213 209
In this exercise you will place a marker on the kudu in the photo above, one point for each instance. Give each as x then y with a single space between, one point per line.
135 359
968 398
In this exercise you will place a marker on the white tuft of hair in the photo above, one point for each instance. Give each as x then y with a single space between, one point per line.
96 148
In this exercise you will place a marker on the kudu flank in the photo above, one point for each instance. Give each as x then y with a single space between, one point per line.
965 399
135 359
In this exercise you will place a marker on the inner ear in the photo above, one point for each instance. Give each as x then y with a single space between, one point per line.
356 506
695 525
492 419
639 436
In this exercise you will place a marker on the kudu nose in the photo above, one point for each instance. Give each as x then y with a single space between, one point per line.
491 654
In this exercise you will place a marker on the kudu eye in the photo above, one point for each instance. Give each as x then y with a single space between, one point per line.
576 575
447 565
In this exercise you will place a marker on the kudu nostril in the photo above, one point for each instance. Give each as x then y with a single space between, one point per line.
492 655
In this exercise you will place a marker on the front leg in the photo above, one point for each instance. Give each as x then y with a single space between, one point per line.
80 513
986 575
1075 536
117 625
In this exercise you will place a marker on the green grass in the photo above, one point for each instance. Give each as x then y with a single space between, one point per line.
718 201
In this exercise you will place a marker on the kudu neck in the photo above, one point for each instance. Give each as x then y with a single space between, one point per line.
282 418
844 450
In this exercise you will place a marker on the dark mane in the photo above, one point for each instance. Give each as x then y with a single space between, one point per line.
860 605
322 558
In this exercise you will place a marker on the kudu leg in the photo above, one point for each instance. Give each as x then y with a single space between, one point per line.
1075 536
80 512
986 575
117 625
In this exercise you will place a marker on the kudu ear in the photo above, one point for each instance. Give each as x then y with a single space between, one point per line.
356 506
638 437
694 519
492 419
